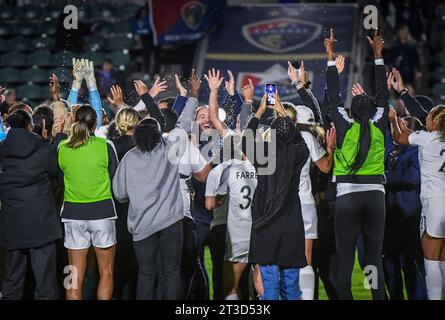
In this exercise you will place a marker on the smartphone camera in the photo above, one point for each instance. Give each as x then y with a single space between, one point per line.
271 92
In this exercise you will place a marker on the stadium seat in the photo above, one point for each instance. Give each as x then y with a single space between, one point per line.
43 43
96 57
62 59
3 46
119 58
7 13
104 11
105 28
10 75
13 59
63 74
27 29
32 91
18 44
39 58
49 27
120 43
127 11
35 75
52 11
29 12
6 29
95 43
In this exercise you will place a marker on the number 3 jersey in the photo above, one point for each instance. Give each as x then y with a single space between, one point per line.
236 179
431 161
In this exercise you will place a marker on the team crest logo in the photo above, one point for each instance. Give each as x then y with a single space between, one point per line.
281 34
192 13
276 74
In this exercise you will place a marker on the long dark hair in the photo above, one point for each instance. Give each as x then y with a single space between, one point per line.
85 120
362 109
19 119
147 135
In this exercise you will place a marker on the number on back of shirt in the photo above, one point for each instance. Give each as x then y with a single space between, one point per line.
442 169
247 192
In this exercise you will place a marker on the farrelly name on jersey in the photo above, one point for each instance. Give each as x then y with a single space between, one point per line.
246 175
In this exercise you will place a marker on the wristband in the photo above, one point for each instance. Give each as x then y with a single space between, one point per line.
249 101
405 90
295 83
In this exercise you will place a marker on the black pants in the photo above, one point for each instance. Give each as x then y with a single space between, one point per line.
217 247
168 242
125 270
190 252
360 212
43 264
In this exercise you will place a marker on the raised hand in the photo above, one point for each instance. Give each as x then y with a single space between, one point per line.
195 84
331 135
77 70
117 98
54 88
248 91
214 79
340 63
262 107
376 44
180 87
357 90
140 87
278 106
44 130
329 45
158 87
398 84
292 72
90 79
230 85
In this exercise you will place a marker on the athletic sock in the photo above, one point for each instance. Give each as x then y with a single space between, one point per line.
442 269
307 283
434 279
233 296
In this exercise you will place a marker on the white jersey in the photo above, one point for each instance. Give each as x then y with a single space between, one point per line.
431 161
238 179
316 152
191 162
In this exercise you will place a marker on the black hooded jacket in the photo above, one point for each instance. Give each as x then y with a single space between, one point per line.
28 216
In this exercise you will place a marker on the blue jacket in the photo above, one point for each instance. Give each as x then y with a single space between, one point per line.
402 173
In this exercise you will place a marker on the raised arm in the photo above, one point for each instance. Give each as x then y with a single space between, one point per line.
93 93
233 102
247 106
117 98
147 98
400 133
78 74
215 80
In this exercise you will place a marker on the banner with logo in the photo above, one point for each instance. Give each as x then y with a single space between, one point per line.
257 41
183 21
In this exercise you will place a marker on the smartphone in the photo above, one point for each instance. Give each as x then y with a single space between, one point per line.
271 92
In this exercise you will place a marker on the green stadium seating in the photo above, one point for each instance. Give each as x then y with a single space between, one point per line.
122 28
52 11
7 13
96 57
119 58
105 28
35 75
120 43
95 43
127 11
29 12
40 58
6 29
63 74
13 59
49 27
103 11
3 46
32 91
10 75
27 29
62 59
18 44
43 43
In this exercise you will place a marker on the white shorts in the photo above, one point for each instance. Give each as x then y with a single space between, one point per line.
80 234
309 213
433 217
237 252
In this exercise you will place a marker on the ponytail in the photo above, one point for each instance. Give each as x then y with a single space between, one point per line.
82 128
439 120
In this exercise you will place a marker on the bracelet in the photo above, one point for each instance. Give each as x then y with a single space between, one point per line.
249 101
295 83
405 90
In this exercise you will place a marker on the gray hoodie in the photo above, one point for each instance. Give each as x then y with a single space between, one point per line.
150 180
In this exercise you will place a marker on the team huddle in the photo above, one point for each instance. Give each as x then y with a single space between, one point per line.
148 190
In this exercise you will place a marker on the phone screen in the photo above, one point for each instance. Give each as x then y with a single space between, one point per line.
271 91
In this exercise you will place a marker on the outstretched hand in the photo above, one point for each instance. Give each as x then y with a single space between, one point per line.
54 88
195 84
248 91
182 91
158 87
329 45
214 79
331 136
340 63
357 90
230 85
117 98
376 44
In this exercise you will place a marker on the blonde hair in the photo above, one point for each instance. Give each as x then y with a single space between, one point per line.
126 120
439 119
84 124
